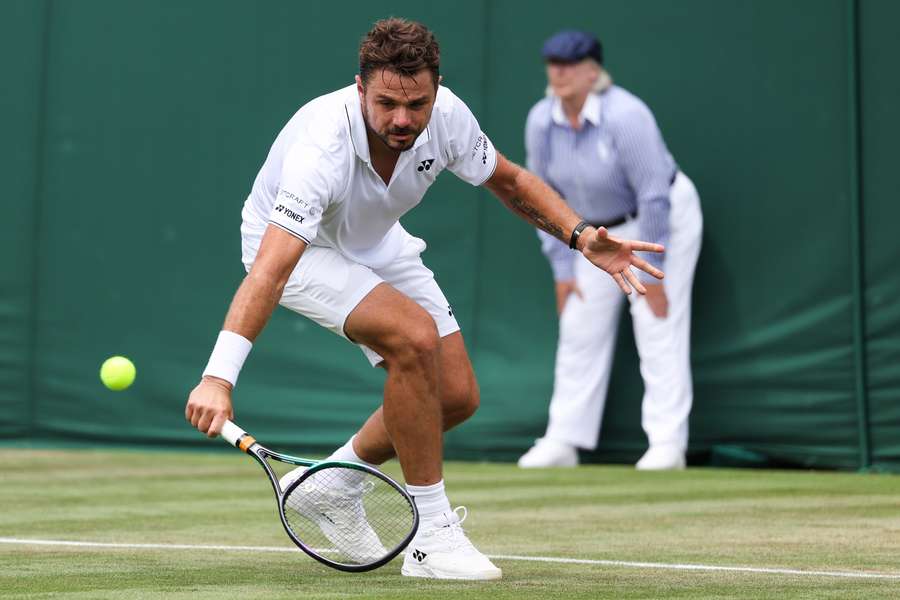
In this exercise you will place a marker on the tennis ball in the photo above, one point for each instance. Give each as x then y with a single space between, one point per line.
117 373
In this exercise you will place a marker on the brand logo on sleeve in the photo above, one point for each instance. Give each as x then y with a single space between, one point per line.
481 143
425 165
283 193
281 208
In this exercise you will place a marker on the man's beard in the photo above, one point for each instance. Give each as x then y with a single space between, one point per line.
385 136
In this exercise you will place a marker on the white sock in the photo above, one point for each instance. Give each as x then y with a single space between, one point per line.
431 500
346 453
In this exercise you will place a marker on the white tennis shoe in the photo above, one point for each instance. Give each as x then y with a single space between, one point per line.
661 458
339 513
441 550
549 453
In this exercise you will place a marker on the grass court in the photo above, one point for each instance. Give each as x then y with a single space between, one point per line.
174 524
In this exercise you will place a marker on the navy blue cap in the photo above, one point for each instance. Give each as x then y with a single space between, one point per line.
571 45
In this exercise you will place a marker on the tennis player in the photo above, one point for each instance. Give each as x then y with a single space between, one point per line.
336 181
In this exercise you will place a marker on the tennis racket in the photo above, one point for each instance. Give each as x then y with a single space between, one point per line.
348 516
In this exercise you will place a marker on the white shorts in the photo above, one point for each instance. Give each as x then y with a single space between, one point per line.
326 286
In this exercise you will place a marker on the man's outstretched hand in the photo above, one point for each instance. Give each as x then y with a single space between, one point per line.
616 257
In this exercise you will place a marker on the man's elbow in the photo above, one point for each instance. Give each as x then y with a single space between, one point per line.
268 280
507 179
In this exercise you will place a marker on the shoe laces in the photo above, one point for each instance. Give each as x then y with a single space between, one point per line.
453 533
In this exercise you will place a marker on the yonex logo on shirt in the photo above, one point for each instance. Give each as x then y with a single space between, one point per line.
289 213
425 165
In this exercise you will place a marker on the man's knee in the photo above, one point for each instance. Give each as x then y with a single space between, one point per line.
417 344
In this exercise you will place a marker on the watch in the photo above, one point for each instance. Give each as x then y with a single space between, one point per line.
576 233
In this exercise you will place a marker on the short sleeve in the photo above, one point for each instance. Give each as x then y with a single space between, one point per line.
305 190
473 156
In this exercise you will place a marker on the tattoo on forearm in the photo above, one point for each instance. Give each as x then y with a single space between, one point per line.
536 218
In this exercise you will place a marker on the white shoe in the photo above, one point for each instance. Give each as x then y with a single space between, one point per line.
549 453
290 477
441 550
661 458
339 513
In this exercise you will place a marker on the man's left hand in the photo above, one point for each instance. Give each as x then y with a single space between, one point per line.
616 257
656 300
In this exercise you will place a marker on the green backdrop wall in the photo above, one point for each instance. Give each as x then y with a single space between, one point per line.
133 131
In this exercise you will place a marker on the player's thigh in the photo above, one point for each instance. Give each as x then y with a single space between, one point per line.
351 300
388 322
326 287
423 303
409 275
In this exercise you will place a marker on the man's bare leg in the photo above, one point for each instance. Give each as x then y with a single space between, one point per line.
459 397
404 334
417 394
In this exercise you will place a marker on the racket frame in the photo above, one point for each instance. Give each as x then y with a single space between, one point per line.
243 441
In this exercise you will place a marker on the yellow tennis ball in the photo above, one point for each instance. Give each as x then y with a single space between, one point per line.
117 373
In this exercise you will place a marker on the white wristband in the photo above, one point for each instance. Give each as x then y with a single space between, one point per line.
228 356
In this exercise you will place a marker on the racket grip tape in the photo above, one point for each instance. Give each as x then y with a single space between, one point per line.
236 436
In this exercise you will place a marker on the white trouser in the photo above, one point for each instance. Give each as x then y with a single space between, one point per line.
587 335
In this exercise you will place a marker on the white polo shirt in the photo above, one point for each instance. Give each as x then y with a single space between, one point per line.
318 182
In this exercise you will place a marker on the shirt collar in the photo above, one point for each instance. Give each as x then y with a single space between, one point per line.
358 130
589 112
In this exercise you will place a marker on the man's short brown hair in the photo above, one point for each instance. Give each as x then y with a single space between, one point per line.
405 47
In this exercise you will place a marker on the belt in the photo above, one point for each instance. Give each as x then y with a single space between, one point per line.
615 222
633 214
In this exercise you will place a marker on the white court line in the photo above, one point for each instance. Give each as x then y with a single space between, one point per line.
547 559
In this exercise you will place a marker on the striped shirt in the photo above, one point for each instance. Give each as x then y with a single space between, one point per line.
615 164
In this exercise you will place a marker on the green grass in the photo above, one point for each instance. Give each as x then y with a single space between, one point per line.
795 520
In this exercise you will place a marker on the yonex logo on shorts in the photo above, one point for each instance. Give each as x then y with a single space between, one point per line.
425 165
419 555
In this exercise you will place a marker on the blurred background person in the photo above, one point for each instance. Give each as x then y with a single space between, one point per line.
599 146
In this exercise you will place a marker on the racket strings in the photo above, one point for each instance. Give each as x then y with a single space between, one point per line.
348 516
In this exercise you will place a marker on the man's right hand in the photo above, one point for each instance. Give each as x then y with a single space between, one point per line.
563 290
209 405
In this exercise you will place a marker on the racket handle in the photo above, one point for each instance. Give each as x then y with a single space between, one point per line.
231 433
